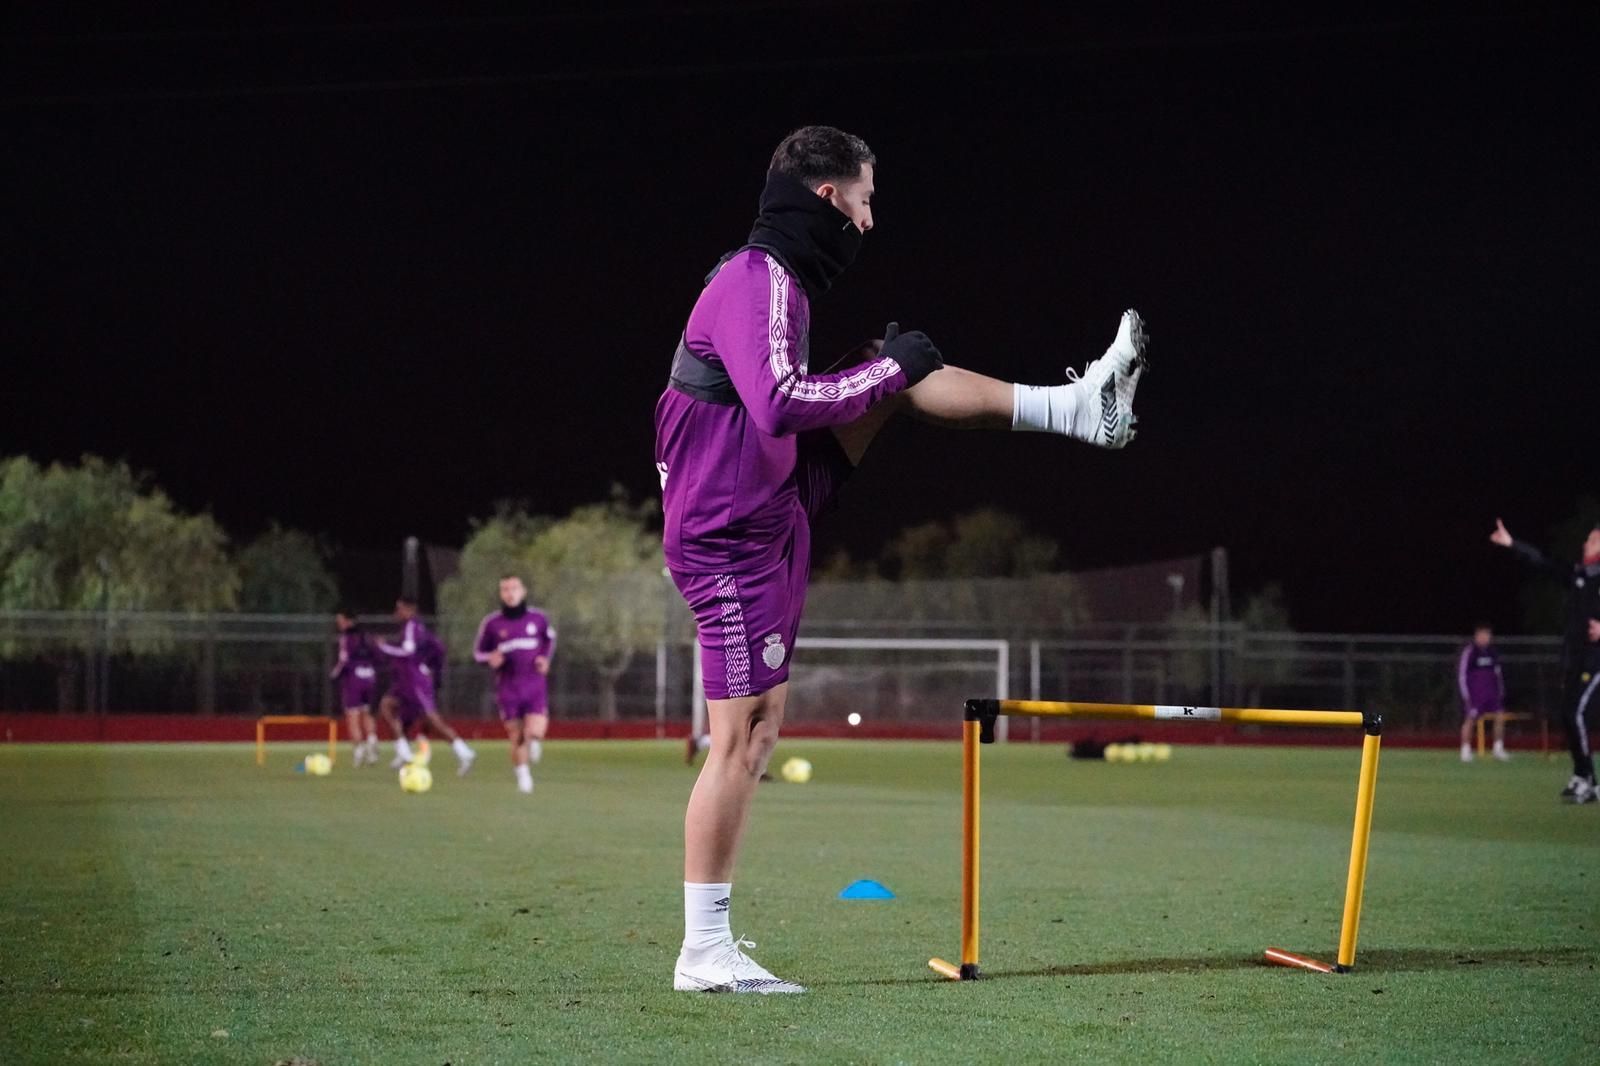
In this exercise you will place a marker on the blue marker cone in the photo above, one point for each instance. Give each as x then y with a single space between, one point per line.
865 889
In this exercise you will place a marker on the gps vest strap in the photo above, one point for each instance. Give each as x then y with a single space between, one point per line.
701 379
698 377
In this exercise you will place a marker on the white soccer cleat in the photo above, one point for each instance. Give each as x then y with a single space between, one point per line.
525 787
397 762
726 968
1466 753
464 762
1106 419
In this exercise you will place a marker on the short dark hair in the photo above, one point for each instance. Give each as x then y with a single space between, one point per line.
813 155
1483 625
512 577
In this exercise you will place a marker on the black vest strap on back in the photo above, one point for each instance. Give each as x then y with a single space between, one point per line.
701 379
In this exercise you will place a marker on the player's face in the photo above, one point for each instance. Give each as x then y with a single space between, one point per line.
1591 546
1482 637
404 611
512 592
853 197
1594 630
343 621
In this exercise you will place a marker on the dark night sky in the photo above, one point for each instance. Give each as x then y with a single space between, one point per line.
366 278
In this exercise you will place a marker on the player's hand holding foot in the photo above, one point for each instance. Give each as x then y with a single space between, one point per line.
1501 535
914 352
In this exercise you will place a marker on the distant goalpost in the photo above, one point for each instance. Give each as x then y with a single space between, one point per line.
997 655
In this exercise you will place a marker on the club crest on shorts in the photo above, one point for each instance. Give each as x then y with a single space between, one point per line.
774 653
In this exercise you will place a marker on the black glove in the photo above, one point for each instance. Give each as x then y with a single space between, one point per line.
913 351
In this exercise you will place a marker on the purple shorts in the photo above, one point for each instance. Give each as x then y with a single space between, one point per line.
515 703
747 621
357 687
413 705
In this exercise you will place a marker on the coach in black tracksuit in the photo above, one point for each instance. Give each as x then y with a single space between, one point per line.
1580 676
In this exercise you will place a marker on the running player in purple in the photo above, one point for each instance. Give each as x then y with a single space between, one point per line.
517 642
751 445
357 678
408 706
1483 691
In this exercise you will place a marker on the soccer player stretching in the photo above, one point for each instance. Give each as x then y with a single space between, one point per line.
357 678
517 642
1578 688
408 706
751 445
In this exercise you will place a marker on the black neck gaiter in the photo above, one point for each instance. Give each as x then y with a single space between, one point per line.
813 239
515 612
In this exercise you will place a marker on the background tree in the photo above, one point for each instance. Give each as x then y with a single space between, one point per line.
982 543
284 571
98 538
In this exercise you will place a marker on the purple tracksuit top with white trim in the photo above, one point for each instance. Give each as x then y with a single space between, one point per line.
522 638
418 658
727 471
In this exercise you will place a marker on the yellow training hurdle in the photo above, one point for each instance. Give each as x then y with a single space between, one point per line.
978 728
1517 716
294 719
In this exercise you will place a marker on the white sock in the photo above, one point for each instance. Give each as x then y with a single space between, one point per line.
459 746
524 776
1045 408
535 751
1500 747
705 915
402 748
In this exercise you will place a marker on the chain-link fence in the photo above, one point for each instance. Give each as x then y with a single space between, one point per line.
255 664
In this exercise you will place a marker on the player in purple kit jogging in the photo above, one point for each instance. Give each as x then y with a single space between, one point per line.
1483 691
751 445
517 642
357 678
408 706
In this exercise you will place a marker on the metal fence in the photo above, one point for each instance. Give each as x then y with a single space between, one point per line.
254 664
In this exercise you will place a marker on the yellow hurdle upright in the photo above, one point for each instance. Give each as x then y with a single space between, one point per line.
978 728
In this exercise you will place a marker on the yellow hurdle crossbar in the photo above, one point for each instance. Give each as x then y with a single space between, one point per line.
294 719
978 729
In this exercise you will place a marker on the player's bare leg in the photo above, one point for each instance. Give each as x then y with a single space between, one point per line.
1499 750
534 728
521 733
1095 407
402 747
744 732
464 754
358 737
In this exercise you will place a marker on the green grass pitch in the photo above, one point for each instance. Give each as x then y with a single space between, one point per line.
169 904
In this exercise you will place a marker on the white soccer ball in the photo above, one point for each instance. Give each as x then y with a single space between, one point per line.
796 771
853 718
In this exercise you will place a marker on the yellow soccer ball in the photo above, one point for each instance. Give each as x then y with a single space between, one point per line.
319 765
414 777
796 771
